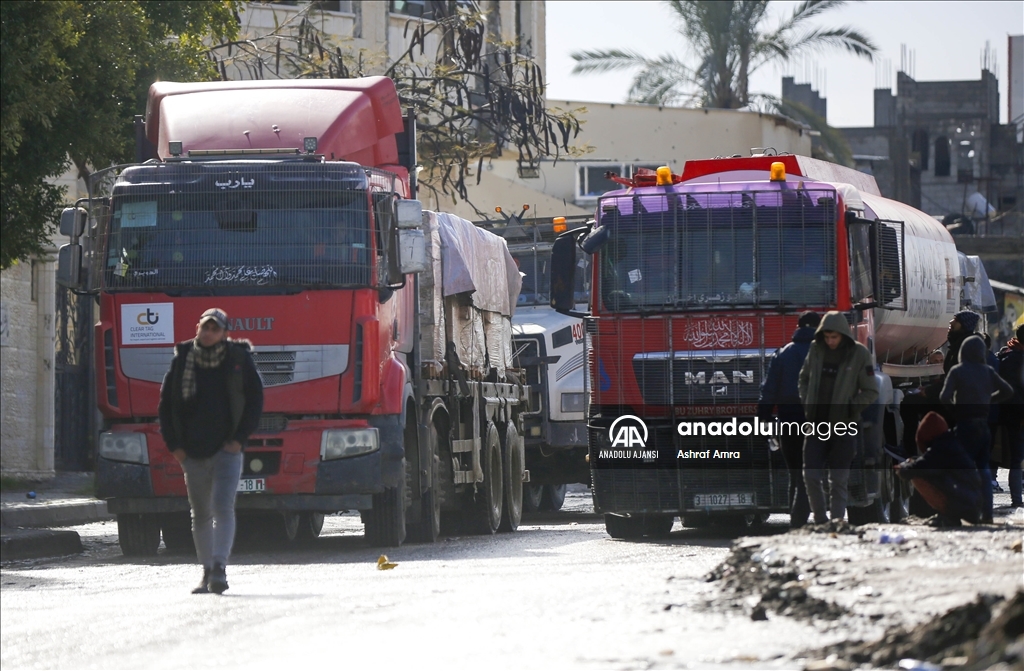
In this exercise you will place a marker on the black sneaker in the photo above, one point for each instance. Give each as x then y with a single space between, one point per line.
218 582
203 587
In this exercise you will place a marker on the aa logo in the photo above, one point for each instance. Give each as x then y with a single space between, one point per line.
628 431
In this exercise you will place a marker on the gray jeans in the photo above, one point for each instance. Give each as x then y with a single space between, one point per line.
212 486
836 454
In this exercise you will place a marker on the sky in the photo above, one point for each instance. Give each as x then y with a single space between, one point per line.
946 38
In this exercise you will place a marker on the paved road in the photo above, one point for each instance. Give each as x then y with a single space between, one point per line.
558 593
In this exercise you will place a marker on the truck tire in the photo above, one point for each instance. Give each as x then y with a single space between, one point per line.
658 526
619 526
876 512
428 528
532 495
514 468
176 529
310 526
553 497
385 522
487 504
138 535
900 508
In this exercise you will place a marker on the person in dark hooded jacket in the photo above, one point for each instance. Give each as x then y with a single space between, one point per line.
970 387
837 383
1011 417
944 474
781 389
961 327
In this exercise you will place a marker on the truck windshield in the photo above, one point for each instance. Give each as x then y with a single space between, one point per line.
278 238
704 250
535 264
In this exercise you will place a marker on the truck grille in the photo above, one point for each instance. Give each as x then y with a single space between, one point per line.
275 367
699 378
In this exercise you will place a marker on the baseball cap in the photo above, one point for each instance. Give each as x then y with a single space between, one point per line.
217 315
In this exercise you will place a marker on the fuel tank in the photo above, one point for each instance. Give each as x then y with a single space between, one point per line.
933 284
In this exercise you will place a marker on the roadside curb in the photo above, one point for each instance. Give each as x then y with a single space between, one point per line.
38 543
66 513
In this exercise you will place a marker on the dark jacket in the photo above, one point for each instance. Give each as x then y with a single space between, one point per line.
972 384
781 386
855 386
956 341
227 404
1011 369
947 478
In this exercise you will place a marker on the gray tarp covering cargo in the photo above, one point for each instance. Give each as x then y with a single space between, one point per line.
472 304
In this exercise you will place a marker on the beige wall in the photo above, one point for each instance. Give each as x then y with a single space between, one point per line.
624 134
27 302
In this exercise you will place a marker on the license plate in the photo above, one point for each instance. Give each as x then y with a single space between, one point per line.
723 500
252 485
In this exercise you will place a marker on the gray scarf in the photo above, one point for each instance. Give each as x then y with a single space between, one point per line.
204 357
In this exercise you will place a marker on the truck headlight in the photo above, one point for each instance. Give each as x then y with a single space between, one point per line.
341 443
572 402
124 446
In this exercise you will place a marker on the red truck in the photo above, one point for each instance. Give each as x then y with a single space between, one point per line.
697 279
289 205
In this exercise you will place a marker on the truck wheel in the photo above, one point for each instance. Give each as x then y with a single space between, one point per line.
877 512
619 526
177 532
553 497
488 502
532 495
138 535
658 526
310 526
385 523
696 520
900 509
428 528
515 467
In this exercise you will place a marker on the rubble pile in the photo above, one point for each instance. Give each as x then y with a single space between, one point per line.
767 583
966 637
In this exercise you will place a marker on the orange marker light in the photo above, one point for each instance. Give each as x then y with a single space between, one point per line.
664 176
498 210
778 171
559 224
526 207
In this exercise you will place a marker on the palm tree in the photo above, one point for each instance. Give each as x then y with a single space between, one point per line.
729 42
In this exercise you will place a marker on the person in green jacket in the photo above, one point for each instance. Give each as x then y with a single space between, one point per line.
837 383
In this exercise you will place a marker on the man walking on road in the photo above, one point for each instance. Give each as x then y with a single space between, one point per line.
210 401
837 382
781 389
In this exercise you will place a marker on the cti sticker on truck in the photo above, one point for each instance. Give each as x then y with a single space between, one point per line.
147 324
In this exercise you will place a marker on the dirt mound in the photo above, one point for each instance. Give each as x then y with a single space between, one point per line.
750 572
966 637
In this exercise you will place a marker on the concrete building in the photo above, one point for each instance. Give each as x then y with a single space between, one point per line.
936 144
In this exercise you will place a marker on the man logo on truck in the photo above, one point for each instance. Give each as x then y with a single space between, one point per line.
628 434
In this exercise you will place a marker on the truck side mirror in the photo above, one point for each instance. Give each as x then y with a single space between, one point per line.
563 274
412 251
409 213
69 265
72 222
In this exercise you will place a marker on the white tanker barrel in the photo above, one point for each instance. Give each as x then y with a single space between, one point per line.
932 286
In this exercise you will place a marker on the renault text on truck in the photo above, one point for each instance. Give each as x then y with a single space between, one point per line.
697 279
387 388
